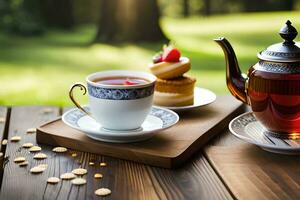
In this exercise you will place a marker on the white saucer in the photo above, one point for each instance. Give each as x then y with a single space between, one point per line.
248 129
158 119
202 97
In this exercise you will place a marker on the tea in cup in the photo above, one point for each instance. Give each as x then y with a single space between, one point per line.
118 99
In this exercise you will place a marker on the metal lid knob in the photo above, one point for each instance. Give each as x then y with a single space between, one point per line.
285 52
288 33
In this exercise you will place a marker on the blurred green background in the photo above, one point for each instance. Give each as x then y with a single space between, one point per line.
41 56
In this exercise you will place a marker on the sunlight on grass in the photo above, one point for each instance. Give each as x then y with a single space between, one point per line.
40 70
249 33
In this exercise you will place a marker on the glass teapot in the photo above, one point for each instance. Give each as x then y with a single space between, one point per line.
271 86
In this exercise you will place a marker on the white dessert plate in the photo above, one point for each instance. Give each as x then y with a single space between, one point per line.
202 97
157 120
248 129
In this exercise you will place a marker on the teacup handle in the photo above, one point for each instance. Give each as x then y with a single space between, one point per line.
82 87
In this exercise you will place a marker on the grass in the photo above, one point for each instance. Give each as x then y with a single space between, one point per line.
39 70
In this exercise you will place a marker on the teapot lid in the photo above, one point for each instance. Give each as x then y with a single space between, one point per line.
287 51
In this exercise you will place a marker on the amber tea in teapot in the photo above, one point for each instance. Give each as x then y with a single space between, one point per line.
275 100
271 86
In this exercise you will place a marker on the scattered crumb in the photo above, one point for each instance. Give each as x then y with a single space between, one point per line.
4 142
35 149
2 119
53 180
79 171
15 138
27 145
59 149
40 156
98 175
67 176
19 159
74 155
78 181
31 130
103 192
37 169
24 163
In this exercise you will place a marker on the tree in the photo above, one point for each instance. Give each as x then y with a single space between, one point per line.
185 8
58 13
270 5
206 8
129 21
21 17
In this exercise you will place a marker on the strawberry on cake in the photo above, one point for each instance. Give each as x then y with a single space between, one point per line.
169 64
173 88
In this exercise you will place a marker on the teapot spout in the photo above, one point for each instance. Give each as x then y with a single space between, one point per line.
236 80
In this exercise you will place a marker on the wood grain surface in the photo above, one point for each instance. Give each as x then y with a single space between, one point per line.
127 180
228 169
17 182
252 173
168 148
4 116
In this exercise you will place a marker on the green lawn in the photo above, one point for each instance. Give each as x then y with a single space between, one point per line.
40 70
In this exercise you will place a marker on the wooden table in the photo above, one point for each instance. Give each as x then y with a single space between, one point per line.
219 171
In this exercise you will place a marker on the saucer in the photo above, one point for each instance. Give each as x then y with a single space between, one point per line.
202 97
157 120
248 129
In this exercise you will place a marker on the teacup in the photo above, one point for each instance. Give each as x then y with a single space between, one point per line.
118 106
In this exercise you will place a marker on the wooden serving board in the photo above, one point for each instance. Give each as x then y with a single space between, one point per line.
168 148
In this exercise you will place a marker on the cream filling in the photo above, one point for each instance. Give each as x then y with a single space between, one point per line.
171 98
167 66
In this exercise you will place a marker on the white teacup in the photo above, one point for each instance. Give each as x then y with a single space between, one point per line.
118 107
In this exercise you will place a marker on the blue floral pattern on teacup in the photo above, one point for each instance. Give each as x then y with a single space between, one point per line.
120 94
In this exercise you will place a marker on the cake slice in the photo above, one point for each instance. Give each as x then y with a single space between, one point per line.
175 92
